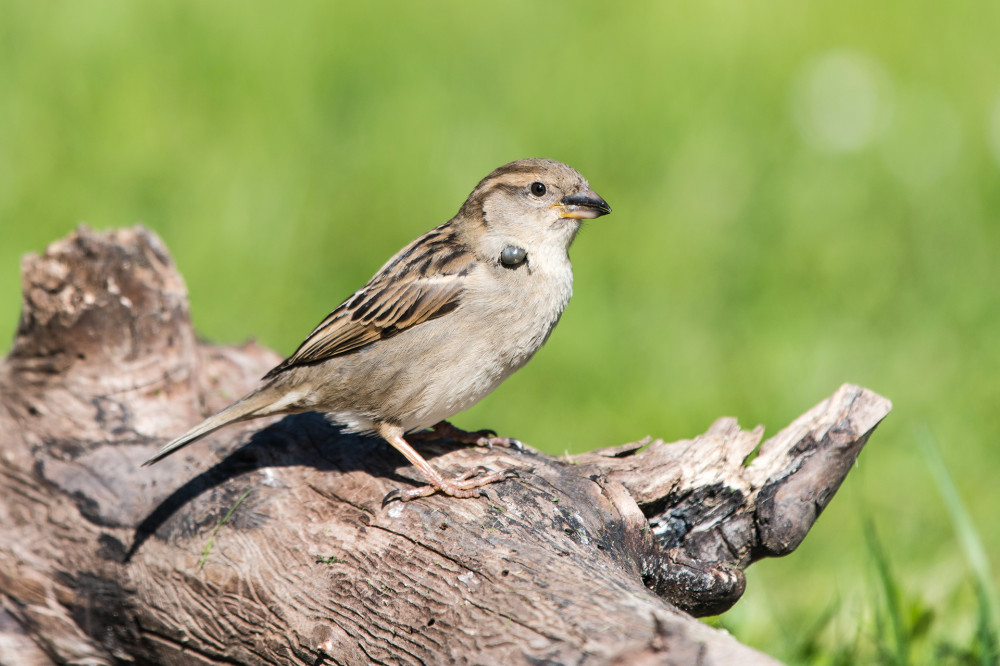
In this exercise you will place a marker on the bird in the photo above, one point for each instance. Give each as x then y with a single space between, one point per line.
440 326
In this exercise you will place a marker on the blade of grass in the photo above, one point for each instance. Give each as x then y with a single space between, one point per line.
893 606
987 637
810 645
972 547
211 539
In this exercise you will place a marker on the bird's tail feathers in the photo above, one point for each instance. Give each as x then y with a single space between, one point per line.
249 407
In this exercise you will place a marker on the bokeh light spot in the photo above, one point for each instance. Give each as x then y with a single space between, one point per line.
840 102
924 140
994 130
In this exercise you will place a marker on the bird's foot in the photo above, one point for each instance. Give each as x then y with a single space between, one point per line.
445 430
463 485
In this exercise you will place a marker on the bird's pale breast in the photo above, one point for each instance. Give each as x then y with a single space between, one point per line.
446 365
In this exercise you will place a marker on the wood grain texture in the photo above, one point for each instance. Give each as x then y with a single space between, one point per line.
267 543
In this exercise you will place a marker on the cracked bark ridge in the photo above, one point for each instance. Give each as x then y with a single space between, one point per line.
266 543
712 514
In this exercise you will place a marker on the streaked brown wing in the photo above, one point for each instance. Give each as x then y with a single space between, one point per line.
385 306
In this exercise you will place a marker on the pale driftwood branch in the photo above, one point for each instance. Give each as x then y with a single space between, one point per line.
267 543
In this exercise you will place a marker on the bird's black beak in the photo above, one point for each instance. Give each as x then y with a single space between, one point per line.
584 205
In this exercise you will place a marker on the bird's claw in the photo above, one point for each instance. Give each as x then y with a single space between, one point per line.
466 484
485 437
504 442
393 495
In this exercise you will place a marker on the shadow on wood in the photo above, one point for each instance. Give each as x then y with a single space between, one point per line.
267 542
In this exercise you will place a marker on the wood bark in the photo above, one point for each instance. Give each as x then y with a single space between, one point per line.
267 543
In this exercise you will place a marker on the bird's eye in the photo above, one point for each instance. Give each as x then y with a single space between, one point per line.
537 188
513 255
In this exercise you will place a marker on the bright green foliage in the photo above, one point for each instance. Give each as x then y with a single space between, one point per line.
804 194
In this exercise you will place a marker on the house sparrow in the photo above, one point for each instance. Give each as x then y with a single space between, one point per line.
442 323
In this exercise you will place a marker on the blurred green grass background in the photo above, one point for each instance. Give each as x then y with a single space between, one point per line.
804 194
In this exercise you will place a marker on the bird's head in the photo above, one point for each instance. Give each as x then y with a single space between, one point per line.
534 201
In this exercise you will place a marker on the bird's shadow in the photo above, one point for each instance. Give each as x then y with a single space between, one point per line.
302 439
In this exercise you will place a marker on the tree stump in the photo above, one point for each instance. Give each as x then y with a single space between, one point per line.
267 543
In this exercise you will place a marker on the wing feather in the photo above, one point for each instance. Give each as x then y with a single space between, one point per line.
407 292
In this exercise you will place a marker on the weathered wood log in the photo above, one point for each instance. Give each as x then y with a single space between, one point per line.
267 543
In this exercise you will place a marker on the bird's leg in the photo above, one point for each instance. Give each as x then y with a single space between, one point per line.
464 485
445 430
